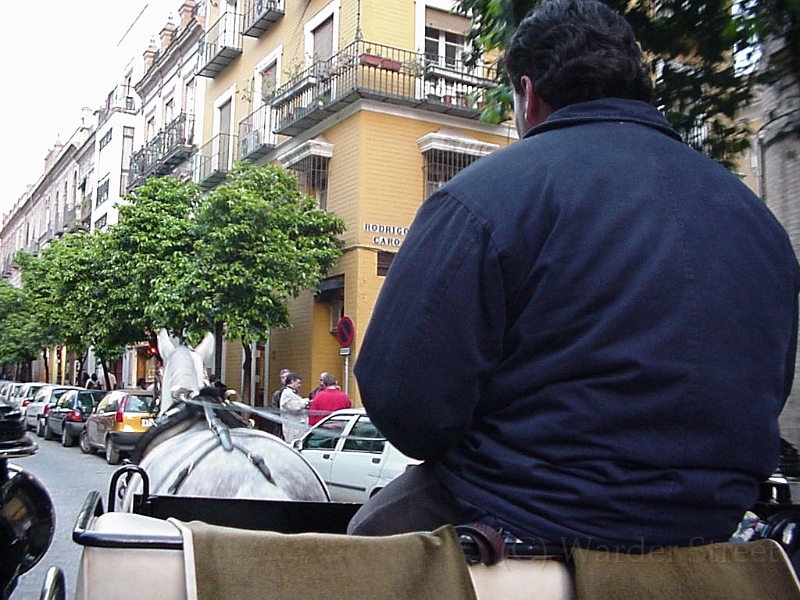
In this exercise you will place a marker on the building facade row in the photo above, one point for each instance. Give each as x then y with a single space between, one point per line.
369 102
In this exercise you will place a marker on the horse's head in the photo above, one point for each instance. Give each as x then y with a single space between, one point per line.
183 366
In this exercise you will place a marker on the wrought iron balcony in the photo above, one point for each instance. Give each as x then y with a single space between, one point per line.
260 15
374 71
256 137
220 45
136 171
122 97
170 147
213 160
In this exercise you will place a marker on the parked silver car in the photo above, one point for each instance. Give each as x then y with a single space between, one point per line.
25 393
45 398
7 391
351 455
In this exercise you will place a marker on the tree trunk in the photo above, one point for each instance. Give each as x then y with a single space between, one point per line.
246 383
46 366
218 341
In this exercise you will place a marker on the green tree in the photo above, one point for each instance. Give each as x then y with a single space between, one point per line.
150 251
43 302
691 44
19 340
71 287
260 242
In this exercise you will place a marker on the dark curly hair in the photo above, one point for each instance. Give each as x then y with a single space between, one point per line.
576 51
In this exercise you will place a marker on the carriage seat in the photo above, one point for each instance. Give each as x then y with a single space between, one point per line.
222 562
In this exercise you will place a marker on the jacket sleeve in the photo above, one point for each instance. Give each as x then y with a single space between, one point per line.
436 332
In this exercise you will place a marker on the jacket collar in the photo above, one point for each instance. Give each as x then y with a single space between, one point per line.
608 109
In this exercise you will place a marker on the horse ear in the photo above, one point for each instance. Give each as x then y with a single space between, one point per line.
165 345
206 348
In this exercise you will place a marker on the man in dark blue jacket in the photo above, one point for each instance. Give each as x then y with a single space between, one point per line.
605 318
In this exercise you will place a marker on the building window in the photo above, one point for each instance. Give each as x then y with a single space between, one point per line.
444 47
127 151
445 153
309 162
312 176
441 166
331 292
105 139
102 193
323 40
445 38
101 223
268 81
385 260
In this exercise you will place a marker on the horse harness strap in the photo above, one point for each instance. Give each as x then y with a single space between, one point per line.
222 437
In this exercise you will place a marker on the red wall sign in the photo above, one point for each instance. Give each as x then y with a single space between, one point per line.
345 332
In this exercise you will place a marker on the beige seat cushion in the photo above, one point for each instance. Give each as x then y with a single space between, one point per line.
758 570
228 563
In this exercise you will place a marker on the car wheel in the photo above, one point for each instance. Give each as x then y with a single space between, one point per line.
112 454
66 439
40 425
48 433
83 442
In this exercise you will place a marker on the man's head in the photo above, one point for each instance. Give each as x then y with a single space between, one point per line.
322 377
283 374
293 380
327 380
569 51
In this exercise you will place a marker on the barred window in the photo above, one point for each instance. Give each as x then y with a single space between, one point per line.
312 173
441 166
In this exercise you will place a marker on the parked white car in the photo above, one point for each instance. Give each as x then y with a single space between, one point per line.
351 455
45 397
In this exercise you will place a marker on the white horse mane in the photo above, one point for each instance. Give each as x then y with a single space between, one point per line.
183 366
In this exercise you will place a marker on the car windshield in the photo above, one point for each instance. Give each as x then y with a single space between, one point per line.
141 404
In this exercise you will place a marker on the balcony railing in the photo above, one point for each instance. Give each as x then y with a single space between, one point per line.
213 160
220 45
260 15
122 97
167 149
136 171
256 137
374 71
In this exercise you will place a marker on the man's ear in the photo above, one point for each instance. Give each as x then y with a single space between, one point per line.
535 109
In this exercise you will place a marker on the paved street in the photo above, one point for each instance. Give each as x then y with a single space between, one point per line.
69 475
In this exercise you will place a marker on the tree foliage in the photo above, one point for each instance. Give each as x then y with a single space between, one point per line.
690 45
150 251
179 261
259 242
20 341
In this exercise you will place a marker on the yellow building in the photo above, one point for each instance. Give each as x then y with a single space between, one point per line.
370 103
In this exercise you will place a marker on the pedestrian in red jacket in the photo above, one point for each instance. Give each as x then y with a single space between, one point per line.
327 400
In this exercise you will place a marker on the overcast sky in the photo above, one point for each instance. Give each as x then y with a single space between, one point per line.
55 58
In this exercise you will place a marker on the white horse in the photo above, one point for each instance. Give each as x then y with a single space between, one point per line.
199 448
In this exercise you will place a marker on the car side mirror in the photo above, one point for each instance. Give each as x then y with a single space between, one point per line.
298 444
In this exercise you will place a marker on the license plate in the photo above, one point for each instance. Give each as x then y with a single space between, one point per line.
147 422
